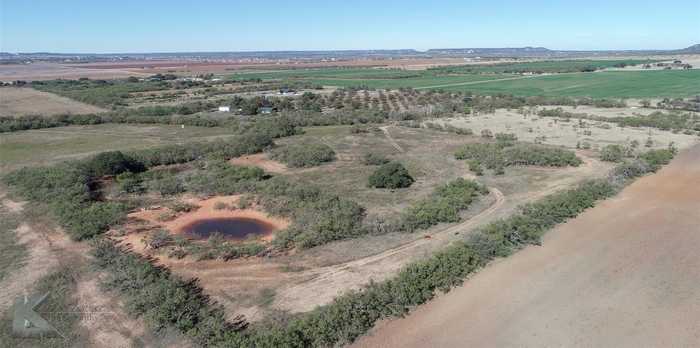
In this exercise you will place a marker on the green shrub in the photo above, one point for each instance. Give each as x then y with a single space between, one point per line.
540 156
657 158
304 155
129 182
391 175
613 153
182 207
86 220
167 185
444 205
318 217
475 167
112 163
224 179
499 155
506 139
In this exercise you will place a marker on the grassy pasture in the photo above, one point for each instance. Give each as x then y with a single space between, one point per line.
16 102
46 146
428 156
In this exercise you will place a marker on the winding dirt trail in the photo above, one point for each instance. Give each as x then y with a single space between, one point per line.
622 274
393 142
328 282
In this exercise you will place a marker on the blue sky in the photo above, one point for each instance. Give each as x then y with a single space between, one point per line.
82 26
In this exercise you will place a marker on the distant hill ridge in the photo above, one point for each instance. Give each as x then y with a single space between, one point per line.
691 49
515 52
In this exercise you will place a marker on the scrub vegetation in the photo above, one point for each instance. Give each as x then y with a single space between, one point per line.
371 169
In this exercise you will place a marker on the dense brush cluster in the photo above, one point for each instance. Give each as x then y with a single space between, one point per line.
444 205
318 217
506 152
303 155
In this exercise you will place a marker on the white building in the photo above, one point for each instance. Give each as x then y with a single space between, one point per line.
224 109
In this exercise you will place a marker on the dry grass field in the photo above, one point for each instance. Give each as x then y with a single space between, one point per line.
53 145
51 71
17 102
568 133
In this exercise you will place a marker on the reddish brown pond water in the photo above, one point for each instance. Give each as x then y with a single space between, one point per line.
231 228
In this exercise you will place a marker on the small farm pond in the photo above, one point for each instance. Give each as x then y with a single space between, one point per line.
231 228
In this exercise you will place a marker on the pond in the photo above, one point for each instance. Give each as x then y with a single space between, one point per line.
231 228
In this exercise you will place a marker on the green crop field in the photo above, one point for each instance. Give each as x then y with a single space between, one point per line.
607 84
347 73
426 81
549 66
494 79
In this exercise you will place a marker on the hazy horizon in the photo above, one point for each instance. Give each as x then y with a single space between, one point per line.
219 26
343 50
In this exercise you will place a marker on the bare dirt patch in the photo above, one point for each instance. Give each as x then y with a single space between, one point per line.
622 274
12 206
28 101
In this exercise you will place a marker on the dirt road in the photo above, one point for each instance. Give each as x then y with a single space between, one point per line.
623 274
328 282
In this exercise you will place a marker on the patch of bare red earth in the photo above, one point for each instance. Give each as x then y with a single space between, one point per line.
623 274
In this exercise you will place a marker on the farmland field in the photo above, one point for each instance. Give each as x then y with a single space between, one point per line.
27 101
606 84
601 84
548 66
